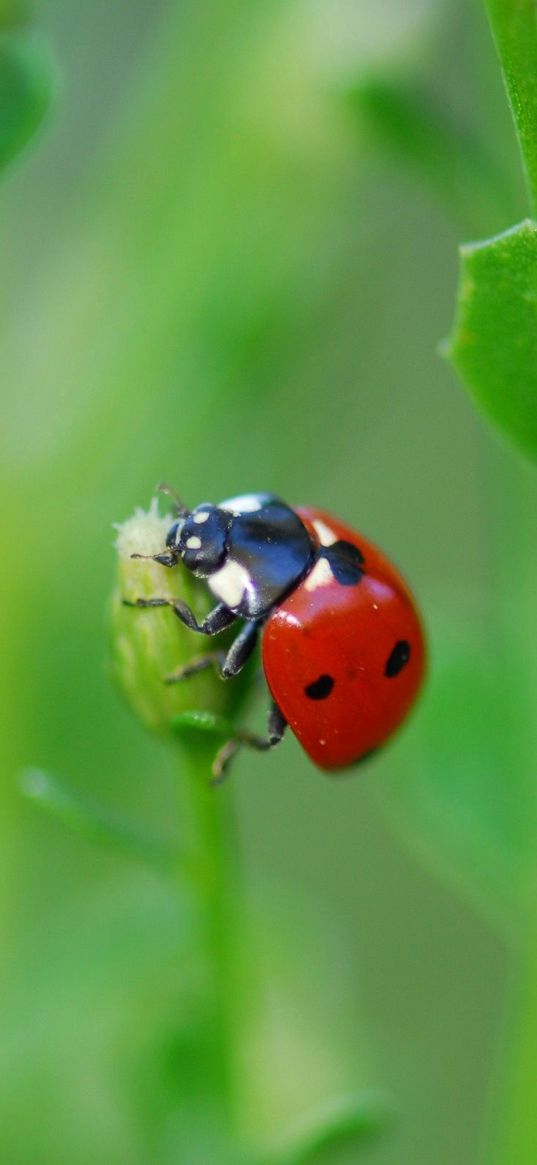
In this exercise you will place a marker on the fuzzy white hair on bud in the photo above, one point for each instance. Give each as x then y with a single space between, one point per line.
143 533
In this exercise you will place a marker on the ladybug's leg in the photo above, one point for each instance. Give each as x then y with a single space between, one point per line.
240 650
227 665
275 729
217 619
200 663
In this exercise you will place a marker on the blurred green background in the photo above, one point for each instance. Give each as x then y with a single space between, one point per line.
225 268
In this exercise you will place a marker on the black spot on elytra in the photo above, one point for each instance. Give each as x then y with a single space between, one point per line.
346 562
397 659
319 689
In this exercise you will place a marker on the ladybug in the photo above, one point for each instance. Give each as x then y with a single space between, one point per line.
342 644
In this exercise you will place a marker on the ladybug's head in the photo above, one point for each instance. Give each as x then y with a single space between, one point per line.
200 539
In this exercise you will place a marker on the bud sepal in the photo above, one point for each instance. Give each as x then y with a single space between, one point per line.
150 644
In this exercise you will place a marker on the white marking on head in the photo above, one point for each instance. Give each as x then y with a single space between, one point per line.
193 543
201 517
320 576
229 583
246 504
325 534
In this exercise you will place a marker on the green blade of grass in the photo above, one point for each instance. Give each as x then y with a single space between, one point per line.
342 1124
92 823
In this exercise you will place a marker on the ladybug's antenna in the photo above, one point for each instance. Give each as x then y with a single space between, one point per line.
164 559
181 510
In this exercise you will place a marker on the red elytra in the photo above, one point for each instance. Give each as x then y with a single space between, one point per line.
359 650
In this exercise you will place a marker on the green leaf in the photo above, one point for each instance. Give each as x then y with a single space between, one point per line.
92 823
514 28
25 91
493 346
494 343
345 1123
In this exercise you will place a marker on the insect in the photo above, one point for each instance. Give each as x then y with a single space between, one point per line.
342 644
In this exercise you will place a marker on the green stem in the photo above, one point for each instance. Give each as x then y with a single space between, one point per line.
216 906
514 28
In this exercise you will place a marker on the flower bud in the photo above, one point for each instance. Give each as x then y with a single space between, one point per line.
149 644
